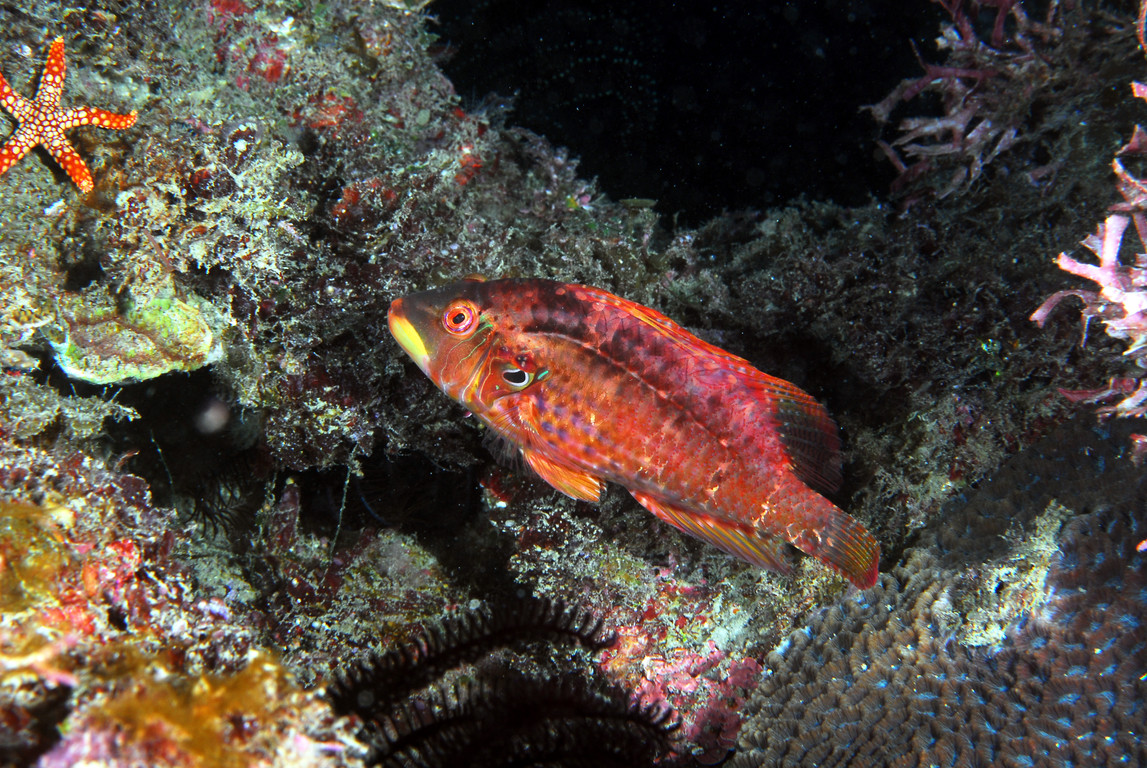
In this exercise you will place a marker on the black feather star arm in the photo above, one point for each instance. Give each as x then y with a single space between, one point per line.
521 719
490 714
392 675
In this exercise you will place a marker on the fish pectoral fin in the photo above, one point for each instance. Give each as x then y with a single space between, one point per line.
741 541
572 482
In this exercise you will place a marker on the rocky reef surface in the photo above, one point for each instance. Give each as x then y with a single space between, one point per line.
223 487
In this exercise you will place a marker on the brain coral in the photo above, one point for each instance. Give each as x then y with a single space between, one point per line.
892 677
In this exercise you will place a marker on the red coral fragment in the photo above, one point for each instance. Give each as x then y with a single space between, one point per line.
223 11
328 110
470 165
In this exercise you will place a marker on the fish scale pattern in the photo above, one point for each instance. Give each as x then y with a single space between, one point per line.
882 679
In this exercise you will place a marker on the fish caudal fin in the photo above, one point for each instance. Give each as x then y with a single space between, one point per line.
817 527
740 541
847 546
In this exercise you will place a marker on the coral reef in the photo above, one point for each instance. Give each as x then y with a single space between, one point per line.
269 209
283 199
889 677
151 715
107 636
996 89
220 484
1121 303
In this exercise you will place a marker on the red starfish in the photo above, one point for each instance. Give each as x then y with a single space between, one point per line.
43 121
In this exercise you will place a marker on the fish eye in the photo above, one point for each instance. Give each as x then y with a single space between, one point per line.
516 377
460 318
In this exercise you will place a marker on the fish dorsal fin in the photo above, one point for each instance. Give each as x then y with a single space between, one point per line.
807 431
572 482
740 541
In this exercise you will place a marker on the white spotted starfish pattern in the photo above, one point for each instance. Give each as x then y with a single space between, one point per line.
43 121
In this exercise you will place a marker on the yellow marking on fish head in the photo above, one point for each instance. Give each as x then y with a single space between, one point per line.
444 332
407 335
467 340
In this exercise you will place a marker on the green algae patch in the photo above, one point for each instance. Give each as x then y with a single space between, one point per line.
102 343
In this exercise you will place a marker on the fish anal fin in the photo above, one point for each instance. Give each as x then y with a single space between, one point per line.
741 541
572 482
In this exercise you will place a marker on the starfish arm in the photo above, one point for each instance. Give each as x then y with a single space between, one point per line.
43 121
61 150
15 148
52 82
90 116
16 104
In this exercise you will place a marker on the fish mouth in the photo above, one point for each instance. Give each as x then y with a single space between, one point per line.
407 337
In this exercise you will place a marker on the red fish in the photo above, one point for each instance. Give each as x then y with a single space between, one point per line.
594 388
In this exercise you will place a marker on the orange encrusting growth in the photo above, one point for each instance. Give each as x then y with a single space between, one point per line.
594 388
43 121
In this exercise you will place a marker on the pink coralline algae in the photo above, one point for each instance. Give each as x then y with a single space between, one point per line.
986 89
1120 302
706 688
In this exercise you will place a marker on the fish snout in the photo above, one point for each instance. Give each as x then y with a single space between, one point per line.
407 335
